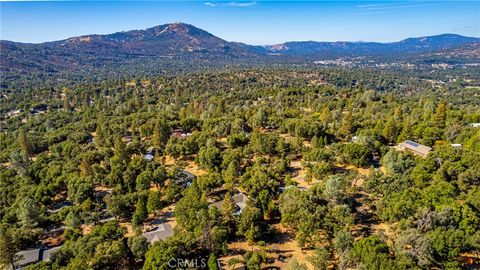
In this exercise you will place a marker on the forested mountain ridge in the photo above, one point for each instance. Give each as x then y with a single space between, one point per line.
409 45
179 47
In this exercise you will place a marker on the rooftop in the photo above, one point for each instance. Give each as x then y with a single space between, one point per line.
163 232
415 147
26 257
239 199
47 254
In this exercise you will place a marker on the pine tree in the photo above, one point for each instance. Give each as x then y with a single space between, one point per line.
24 142
212 262
141 212
85 168
8 248
66 103
228 211
154 201
390 130
100 131
160 133
440 116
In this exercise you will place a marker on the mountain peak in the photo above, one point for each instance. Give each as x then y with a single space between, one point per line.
178 29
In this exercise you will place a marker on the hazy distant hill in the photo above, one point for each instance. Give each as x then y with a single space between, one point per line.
410 45
180 47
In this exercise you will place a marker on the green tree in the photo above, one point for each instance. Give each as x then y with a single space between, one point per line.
154 201
141 212
8 248
28 213
212 262
440 116
161 132
249 223
24 142
138 246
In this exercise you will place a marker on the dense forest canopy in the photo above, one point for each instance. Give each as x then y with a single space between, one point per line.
304 158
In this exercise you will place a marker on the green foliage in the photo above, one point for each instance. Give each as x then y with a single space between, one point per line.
141 212
356 154
246 129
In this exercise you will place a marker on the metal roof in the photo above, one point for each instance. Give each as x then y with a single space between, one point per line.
416 147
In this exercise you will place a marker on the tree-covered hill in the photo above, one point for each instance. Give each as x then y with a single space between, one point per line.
292 169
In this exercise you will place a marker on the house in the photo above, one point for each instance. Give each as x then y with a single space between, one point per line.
39 109
127 139
58 206
25 257
240 201
184 178
13 113
149 156
179 133
415 148
163 232
456 145
475 125
48 253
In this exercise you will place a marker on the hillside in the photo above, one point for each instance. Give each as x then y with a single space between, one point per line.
180 47
409 45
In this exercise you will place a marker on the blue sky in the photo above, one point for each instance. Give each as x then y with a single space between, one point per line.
253 22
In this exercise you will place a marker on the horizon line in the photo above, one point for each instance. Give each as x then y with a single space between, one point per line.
263 45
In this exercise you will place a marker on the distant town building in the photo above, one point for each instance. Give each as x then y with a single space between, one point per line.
148 157
179 133
456 145
475 125
163 232
13 113
415 148
39 109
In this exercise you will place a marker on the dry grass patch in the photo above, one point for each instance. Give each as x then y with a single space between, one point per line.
279 251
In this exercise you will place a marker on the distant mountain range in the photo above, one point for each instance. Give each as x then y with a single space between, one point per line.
180 46
410 45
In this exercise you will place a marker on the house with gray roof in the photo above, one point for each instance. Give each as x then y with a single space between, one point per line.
48 253
163 232
25 257
240 201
